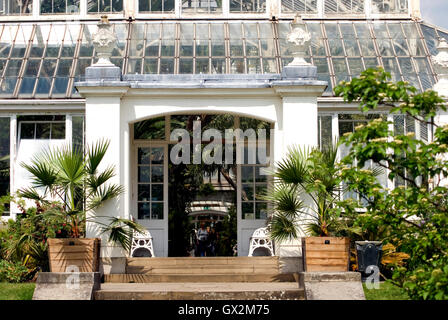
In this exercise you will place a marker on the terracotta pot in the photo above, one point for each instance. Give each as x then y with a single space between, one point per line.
72 254
326 254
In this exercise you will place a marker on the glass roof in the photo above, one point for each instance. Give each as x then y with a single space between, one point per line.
44 60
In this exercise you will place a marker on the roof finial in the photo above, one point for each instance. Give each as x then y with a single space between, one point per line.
104 41
299 39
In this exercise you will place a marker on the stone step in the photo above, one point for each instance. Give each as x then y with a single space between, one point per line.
200 269
182 261
201 291
198 278
200 266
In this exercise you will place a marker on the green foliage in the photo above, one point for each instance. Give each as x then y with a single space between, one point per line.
13 272
16 291
24 240
305 191
414 216
387 291
227 233
75 181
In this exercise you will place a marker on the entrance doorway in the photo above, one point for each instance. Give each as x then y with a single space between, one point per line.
173 199
203 198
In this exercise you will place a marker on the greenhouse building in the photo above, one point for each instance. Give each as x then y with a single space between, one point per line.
133 71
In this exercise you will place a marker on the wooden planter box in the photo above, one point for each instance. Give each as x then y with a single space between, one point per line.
326 254
82 253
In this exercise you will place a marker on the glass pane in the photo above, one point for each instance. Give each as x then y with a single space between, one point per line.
247 174
247 192
186 65
144 211
166 66
157 156
143 174
27 131
261 191
58 131
157 192
27 86
43 130
43 86
157 174
144 192
261 211
157 211
247 210
78 132
60 86
143 155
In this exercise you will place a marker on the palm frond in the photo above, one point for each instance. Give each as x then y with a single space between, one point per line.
95 182
42 173
95 155
294 168
31 194
286 199
102 195
282 227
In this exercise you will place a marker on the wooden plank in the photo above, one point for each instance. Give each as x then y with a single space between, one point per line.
332 248
331 240
71 255
329 262
326 254
75 241
70 249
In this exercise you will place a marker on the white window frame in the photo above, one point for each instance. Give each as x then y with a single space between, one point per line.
50 122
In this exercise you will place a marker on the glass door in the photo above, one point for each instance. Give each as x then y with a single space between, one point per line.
151 193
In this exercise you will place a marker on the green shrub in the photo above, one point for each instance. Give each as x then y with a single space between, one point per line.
14 272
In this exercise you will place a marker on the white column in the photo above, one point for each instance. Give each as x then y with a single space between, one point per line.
297 119
296 126
103 122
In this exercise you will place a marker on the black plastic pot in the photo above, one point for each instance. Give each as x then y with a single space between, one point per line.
369 254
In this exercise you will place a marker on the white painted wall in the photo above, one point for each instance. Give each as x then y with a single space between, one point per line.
111 111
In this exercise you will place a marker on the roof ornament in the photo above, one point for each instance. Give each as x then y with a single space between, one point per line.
440 62
104 41
299 39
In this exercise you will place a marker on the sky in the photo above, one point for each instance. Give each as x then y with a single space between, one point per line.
435 12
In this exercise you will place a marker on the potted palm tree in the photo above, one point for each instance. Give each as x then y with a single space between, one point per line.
306 187
69 182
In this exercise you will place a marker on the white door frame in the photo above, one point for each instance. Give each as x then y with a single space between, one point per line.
157 228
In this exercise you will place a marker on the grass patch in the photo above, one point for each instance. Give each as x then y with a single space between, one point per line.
387 291
16 291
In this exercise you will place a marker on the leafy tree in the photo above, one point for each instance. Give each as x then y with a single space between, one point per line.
415 213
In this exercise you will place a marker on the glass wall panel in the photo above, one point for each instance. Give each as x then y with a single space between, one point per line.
4 160
390 6
104 6
14 7
201 6
325 130
344 6
248 6
153 6
301 6
60 6
78 132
